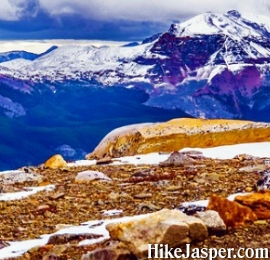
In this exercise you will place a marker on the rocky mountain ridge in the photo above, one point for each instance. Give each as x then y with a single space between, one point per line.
211 60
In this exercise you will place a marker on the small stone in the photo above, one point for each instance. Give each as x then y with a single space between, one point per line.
174 188
148 206
248 189
260 222
57 196
62 226
143 196
105 160
43 207
48 214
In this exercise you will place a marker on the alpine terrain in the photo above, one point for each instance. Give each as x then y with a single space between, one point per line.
67 99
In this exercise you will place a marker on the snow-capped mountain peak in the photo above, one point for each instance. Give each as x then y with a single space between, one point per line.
211 60
231 24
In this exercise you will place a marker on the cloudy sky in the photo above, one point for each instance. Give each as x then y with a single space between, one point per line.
107 19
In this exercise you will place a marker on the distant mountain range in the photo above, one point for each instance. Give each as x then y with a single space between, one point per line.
211 66
14 55
218 61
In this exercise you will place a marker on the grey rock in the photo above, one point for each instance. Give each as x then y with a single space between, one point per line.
87 176
178 159
213 221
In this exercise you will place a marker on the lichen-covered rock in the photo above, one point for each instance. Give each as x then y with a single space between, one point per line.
259 202
232 213
166 226
55 162
177 134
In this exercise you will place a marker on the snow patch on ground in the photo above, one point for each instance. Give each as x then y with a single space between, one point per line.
23 194
261 149
92 227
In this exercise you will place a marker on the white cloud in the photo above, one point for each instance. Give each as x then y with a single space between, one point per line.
152 10
8 11
138 10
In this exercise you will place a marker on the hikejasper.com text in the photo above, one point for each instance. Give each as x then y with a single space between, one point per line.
160 251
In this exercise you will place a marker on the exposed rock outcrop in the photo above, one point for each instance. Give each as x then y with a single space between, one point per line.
177 134
259 202
232 213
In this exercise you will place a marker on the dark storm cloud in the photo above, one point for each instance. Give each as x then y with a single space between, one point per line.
110 19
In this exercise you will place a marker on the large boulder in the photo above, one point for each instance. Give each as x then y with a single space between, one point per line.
232 213
177 134
259 202
170 227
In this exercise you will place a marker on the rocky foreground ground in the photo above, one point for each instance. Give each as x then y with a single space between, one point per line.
133 189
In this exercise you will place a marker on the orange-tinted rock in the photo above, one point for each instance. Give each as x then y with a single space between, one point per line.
55 162
177 134
259 202
232 213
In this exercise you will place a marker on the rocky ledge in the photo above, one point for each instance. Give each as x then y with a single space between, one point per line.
177 134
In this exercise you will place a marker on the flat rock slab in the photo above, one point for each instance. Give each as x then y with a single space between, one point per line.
87 176
13 177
